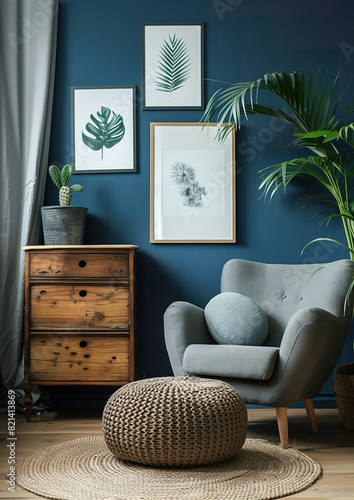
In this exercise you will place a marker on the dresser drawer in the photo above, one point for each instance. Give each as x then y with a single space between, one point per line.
78 265
82 306
79 358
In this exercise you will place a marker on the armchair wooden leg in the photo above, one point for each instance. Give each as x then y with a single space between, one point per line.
310 410
282 419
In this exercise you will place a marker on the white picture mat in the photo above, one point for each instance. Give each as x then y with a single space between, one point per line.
89 101
190 94
214 166
213 202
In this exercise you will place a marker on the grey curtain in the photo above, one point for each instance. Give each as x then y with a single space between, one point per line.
28 33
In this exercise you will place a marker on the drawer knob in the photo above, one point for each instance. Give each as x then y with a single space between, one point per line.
82 263
83 343
82 293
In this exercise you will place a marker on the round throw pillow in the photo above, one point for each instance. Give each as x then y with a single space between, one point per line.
235 319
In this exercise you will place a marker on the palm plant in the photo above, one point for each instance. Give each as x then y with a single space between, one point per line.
311 114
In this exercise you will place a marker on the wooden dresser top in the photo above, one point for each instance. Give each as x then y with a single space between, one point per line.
79 247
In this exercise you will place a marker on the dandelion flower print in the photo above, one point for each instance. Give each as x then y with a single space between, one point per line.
193 194
190 190
182 174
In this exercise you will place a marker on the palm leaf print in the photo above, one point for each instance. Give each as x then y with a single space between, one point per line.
173 66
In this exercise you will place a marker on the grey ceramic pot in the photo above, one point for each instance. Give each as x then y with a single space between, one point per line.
63 225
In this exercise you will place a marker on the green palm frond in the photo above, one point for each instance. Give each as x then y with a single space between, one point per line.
173 67
347 134
309 104
350 250
309 107
283 173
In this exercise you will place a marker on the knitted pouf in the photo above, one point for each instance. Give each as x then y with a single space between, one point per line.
176 421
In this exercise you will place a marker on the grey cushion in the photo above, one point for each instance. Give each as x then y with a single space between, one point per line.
235 319
234 361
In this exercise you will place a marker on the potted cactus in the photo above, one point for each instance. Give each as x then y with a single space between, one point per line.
61 179
63 224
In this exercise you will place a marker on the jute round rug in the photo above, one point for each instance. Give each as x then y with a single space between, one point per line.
84 469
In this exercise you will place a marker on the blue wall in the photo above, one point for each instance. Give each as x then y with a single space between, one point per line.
99 43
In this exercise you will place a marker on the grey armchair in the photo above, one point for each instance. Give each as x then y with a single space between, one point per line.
308 324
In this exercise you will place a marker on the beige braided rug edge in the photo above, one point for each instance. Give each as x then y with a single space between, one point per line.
84 469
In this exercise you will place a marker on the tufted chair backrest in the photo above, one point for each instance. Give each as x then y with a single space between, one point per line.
281 290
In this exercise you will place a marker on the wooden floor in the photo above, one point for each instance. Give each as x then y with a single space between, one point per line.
332 447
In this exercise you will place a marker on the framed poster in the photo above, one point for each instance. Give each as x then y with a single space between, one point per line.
103 129
192 184
173 66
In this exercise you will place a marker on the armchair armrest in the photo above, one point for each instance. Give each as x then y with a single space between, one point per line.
184 324
311 345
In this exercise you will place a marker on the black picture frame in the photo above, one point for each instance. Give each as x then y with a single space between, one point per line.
112 108
173 85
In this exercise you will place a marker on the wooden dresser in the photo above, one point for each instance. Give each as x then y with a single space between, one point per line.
79 316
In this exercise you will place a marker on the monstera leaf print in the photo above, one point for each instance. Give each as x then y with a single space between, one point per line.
106 130
173 65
